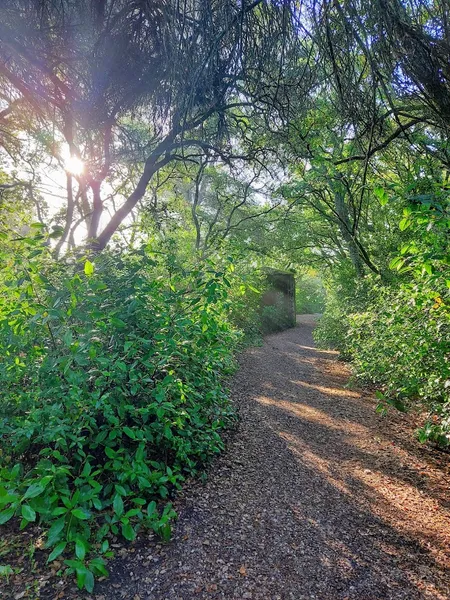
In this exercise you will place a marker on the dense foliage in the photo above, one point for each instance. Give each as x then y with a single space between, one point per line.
397 333
112 392
310 294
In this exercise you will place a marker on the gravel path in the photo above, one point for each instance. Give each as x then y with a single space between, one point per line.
316 497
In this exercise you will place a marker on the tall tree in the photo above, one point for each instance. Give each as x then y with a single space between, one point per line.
142 83
388 63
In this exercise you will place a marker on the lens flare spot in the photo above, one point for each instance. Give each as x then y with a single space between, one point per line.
74 165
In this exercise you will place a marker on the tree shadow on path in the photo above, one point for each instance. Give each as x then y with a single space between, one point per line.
310 501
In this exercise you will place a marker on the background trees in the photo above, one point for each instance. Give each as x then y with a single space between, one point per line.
114 91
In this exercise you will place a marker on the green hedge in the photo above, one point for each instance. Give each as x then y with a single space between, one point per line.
111 393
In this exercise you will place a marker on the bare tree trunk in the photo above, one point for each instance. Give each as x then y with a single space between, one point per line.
96 212
152 166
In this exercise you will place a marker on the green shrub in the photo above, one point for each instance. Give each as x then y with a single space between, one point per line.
344 297
275 317
245 305
397 334
402 343
111 393
309 295
332 329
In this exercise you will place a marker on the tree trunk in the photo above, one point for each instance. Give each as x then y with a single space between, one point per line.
346 232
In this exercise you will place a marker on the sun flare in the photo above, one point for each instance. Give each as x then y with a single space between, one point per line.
74 165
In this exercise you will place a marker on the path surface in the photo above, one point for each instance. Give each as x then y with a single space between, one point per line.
316 497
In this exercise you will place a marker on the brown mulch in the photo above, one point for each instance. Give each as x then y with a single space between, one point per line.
316 497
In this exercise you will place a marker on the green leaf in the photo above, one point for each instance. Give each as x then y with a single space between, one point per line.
6 571
397 263
139 501
73 564
129 432
151 508
34 490
253 289
118 323
132 513
6 515
68 338
89 581
80 548
53 534
56 233
97 565
81 576
81 513
118 505
86 470
88 268
165 531
381 194
404 224
97 503
128 532
66 501
7 499
28 513
428 268
57 550
109 452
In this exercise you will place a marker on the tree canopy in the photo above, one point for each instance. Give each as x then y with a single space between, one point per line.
130 87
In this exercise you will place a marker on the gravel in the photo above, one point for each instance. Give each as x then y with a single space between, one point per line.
316 497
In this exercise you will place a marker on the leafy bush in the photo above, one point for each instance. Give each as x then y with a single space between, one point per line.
403 340
309 295
402 343
397 332
112 393
245 305
332 328
275 317
344 297
249 313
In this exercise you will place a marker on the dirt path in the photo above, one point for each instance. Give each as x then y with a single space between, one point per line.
317 497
